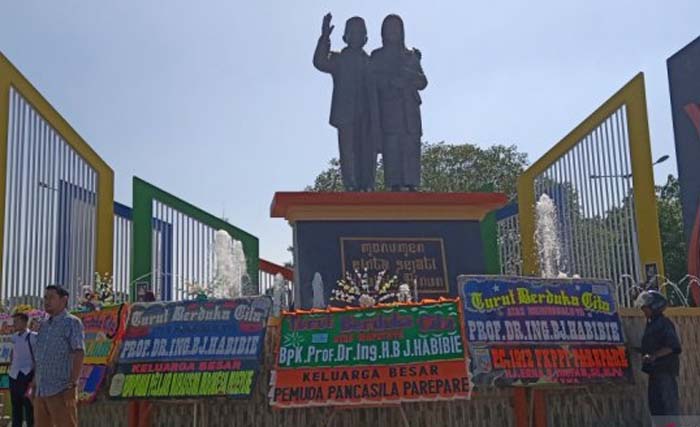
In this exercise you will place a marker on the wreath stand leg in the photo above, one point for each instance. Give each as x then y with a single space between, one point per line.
404 417
331 417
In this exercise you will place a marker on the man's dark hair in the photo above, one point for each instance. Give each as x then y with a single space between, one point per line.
60 290
22 316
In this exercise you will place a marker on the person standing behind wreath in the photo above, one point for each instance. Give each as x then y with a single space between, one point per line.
22 370
354 109
399 77
660 349
59 352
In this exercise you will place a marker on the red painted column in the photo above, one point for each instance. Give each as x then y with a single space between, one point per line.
540 403
133 414
520 407
145 411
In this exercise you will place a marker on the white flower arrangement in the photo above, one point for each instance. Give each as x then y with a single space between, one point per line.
359 289
199 292
99 294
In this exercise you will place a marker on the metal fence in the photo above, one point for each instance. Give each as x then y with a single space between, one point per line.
123 229
182 252
600 180
173 244
508 238
50 208
170 247
53 190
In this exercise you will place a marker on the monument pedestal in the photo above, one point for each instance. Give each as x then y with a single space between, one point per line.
428 237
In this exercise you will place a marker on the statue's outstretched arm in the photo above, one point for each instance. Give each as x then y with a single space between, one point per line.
323 57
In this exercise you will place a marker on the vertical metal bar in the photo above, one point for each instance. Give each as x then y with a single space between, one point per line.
610 219
64 241
78 209
78 229
121 284
59 206
157 239
9 271
595 202
575 222
92 220
601 185
87 193
167 252
176 252
42 217
572 206
117 254
581 215
154 247
584 211
40 192
88 199
195 250
575 212
590 208
202 233
10 203
73 275
31 202
129 251
48 180
631 206
126 256
124 271
53 195
603 158
69 218
181 250
188 247
561 215
622 186
29 197
161 254
4 283
592 205
566 215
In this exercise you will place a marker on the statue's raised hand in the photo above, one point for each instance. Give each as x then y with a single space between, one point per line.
327 28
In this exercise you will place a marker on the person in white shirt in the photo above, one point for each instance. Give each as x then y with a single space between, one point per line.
22 370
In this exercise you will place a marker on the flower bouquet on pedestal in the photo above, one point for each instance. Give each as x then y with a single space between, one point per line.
360 289
99 295
200 292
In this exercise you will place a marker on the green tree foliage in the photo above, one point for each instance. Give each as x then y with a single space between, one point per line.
668 202
450 168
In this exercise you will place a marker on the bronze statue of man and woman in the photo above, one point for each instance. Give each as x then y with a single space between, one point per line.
375 105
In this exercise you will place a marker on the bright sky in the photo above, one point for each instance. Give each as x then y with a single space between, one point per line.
217 102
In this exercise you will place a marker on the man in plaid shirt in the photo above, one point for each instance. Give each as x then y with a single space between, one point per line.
60 348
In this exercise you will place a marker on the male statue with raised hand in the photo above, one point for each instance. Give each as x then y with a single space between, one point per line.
354 107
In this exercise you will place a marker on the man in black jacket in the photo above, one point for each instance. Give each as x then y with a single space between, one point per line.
660 350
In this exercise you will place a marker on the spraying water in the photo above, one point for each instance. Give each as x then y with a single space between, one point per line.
230 266
317 288
279 296
547 238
